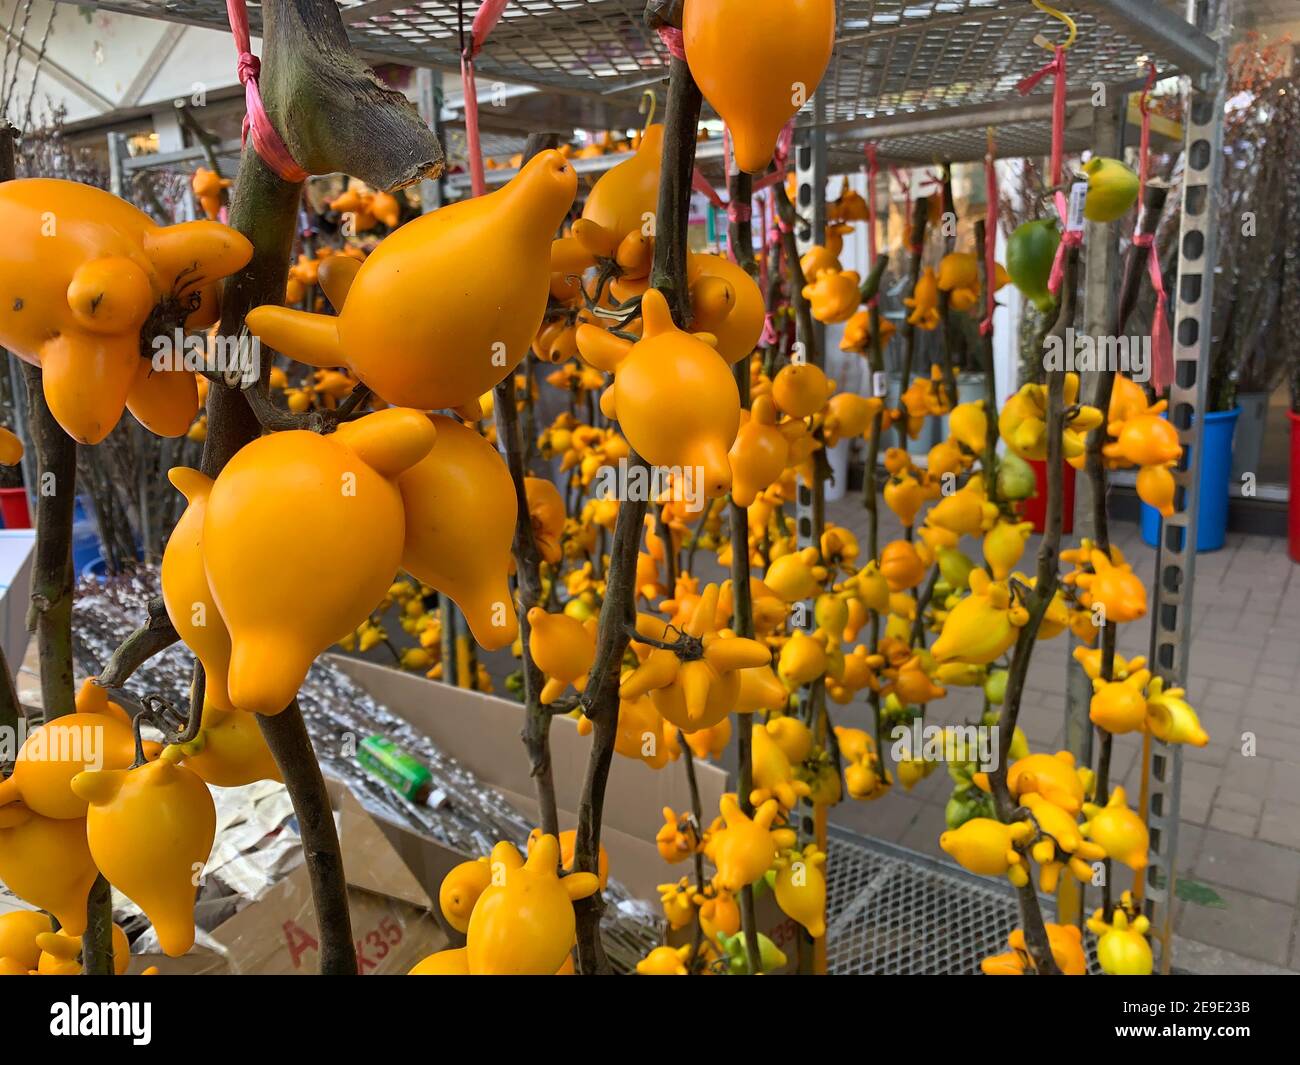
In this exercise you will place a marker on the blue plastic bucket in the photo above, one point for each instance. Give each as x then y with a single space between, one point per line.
1216 470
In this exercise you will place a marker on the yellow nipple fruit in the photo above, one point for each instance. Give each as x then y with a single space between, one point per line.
1155 487
18 932
1170 718
47 863
757 79
333 505
185 590
673 396
923 303
1004 544
1053 776
800 888
1143 440
83 273
760 689
665 961
905 496
797 575
1122 946
460 525
849 415
624 199
801 389
818 259
988 847
1022 422
695 694
54 753
773 774
726 303
1112 189
834 296
1120 706
460 890
447 305
1118 830
760 453
229 751
451 962
802 660
902 565
563 648
60 953
966 514
1114 587
523 923
968 425
746 848
150 831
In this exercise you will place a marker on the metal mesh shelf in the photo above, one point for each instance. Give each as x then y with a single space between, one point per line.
891 911
891 56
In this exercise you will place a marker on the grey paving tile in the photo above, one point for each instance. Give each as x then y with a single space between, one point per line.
1234 822
1280 823
1249 925
1250 865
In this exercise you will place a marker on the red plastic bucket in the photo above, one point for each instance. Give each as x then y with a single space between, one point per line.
13 508
1293 514
1035 507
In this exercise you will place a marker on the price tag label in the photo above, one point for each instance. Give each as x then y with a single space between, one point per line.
1078 193
879 384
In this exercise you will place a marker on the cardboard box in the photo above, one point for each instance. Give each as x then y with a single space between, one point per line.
483 733
392 916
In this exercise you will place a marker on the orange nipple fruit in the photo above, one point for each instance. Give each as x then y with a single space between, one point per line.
460 525
150 832
447 305
185 589
673 396
726 303
56 752
624 199
757 62
47 863
83 273
332 505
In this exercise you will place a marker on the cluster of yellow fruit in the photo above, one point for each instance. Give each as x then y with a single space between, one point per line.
63 823
516 914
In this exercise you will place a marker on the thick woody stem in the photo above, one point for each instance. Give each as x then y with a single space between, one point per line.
916 248
600 699
537 721
1039 598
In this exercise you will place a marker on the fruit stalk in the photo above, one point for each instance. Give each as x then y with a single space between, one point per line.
742 616
945 298
988 460
1135 268
618 611
916 247
537 721
1037 602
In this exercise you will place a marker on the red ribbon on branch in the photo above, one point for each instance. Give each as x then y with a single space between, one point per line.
1070 238
266 141
487 16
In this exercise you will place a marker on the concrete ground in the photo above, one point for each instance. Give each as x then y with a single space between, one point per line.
1240 815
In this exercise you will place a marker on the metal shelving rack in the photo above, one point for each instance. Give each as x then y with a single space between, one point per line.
922 79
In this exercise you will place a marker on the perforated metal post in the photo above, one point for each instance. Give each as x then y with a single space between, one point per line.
1171 600
810 203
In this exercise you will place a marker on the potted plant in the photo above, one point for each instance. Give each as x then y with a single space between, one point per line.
1255 283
